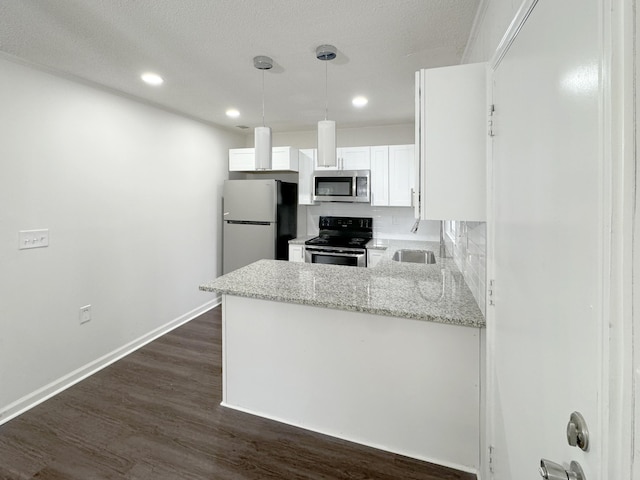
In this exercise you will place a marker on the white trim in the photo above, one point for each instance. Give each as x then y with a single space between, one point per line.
512 32
606 216
620 177
341 436
38 396
489 310
632 463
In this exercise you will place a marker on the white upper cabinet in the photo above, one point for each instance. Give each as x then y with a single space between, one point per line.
351 158
401 175
451 133
306 161
242 160
392 175
380 176
282 159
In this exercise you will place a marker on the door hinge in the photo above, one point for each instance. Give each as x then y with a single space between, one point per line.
491 292
492 109
491 449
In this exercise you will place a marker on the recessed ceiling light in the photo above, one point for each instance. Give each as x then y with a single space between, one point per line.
360 101
233 113
152 79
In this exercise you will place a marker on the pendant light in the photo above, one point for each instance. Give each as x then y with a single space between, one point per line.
262 135
326 128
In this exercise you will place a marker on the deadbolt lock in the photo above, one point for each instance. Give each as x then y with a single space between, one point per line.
577 431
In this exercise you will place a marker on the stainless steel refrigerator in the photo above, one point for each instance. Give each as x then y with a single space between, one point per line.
259 219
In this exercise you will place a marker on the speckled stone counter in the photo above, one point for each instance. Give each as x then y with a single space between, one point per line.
301 240
436 293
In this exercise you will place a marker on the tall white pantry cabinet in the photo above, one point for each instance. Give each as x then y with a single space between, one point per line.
451 138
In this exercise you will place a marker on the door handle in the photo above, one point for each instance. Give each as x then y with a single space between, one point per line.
553 471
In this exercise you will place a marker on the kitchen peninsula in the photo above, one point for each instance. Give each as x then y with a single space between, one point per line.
388 356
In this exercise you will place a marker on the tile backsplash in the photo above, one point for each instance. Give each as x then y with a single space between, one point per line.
467 241
388 222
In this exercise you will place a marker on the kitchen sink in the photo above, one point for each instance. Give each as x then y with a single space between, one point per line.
414 256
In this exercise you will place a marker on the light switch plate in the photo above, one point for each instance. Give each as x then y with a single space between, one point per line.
33 238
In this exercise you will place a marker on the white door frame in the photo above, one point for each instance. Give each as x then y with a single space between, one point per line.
630 341
621 239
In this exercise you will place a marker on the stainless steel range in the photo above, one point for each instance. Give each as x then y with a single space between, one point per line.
342 241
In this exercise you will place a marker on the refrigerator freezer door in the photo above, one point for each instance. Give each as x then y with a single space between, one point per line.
244 243
250 200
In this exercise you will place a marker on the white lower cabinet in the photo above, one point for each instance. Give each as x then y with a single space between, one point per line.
296 253
392 175
373 257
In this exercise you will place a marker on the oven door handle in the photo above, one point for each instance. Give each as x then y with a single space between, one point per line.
337 253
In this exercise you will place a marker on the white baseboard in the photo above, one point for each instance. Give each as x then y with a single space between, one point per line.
424 458
38 396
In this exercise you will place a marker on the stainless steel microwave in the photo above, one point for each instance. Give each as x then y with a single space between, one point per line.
342 186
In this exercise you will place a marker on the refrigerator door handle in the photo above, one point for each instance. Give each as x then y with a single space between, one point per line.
246 222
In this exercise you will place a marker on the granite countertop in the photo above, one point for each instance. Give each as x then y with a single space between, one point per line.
436 293
301 240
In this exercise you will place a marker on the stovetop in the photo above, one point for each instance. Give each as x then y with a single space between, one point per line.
338 241
344 232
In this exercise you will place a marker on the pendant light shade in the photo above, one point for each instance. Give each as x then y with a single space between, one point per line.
262 135
262 143
327 156
327 143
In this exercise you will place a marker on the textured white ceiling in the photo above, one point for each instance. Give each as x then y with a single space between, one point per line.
204 51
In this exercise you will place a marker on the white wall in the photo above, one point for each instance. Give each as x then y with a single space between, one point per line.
130 194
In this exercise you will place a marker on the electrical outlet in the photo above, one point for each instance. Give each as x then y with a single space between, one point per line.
85 314
33 239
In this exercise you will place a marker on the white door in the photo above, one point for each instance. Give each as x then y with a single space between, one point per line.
548 243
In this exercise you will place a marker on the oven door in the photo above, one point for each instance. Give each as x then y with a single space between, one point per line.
336 256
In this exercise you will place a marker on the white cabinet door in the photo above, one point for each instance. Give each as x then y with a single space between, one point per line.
242 159
373 257
452 120
392 175
351 158
354 158
306 161
296 253
285 159
401 175
380 176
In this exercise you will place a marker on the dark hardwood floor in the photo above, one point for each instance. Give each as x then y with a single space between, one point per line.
155 415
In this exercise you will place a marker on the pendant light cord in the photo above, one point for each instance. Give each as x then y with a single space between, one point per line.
263 124
326 90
